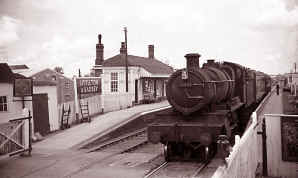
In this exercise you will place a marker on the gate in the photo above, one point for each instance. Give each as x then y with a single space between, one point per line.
41 113
15 136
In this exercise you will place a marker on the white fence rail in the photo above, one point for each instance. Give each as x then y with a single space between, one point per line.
245 156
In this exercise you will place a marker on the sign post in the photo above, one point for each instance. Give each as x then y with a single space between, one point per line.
23 87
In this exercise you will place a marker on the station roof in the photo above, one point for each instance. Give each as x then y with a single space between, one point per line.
152 65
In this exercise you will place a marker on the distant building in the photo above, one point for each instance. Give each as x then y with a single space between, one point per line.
147 77
292 82
65 89
58 90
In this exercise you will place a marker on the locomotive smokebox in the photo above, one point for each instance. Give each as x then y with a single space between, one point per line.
192 61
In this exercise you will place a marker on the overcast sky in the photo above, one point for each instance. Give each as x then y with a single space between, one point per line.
260 34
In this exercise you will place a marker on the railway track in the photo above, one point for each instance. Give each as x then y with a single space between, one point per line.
177 169
123 144
138 139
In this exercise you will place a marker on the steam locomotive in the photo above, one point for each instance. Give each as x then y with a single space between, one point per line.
207 102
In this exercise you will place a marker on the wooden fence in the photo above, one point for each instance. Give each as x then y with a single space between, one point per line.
15 136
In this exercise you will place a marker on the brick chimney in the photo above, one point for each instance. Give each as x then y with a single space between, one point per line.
99 52
123 49
151 51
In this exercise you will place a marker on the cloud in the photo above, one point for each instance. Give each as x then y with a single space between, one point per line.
8 30
64 33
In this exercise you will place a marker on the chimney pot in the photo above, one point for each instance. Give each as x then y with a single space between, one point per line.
122 49
99 39
99 51
151 51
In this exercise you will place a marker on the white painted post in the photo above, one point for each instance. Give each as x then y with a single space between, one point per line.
102 93
295 89
76 98
25 113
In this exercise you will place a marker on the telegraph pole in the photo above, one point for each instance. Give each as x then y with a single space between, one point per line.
126 62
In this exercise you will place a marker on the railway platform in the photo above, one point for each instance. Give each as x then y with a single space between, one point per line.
57 154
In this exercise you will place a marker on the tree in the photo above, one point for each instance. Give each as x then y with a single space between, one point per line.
59 69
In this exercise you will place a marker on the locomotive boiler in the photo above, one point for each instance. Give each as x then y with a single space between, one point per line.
214 100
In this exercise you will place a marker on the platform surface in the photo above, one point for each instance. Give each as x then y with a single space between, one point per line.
55 156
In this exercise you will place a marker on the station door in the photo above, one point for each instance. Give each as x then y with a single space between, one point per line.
41 113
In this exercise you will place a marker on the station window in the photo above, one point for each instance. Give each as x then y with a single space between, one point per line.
114 82
3 103
67 84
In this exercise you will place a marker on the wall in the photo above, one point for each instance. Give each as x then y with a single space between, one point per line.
113 102
121 99
94 103
72 117
276 166
14 107
65 89
52 104
95 108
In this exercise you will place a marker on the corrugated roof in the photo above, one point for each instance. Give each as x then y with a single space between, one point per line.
15 67
6 74
153 66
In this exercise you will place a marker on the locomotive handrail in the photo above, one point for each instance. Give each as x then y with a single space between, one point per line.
192 97
214 81
203 83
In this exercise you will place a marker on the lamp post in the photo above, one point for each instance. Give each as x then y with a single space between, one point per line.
126 62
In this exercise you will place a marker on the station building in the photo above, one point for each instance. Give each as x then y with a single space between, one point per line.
147 77
292 82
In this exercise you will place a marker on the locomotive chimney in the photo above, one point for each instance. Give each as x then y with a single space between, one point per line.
123 49
192 60
99 52
150 51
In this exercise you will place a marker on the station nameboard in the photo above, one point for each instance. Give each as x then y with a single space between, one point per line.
289 138
89 85
22 87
